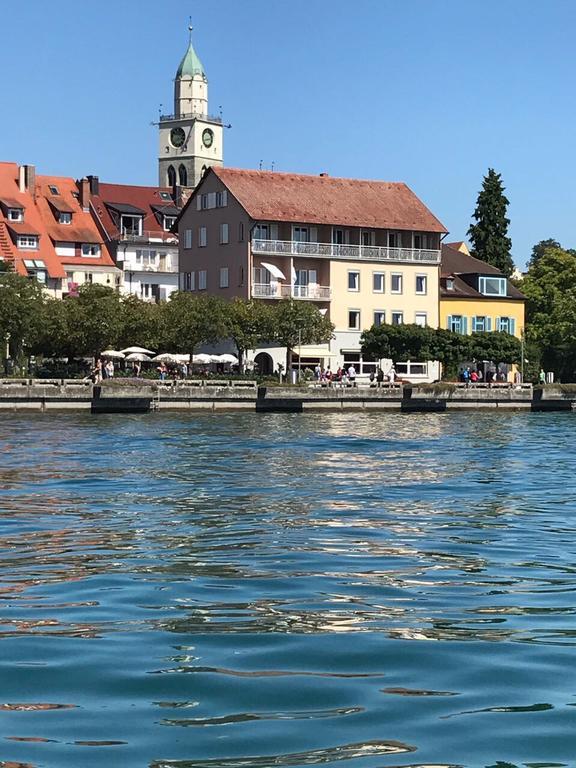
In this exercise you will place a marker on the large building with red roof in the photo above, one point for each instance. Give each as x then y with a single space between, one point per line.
47 231
365 252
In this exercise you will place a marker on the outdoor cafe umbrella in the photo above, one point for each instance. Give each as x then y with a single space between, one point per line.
139 357
112 353
226 358
165 357
202 359
137 351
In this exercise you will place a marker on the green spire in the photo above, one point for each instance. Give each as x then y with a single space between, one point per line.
190 64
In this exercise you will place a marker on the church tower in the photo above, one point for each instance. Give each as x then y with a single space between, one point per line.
190 140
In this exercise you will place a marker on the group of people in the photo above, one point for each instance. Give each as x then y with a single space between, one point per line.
347 375
173 371
102 371
474 375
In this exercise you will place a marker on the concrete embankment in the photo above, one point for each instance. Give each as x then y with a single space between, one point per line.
142 396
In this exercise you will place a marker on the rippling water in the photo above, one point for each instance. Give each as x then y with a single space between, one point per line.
229 591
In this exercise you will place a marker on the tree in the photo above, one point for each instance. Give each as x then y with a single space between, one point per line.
140 323
400 342
97 319
299 322
187 321
489 235
249 324
540 249
550 287
497 346
21 301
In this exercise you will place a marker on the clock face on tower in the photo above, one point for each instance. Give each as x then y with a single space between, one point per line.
177 137
207 137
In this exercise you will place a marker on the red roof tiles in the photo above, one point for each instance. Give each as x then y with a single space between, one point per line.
148 200
325 200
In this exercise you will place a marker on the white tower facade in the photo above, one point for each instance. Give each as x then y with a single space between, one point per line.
190 140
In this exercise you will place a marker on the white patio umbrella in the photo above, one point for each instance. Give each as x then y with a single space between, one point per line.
202 359
113 353
137 351
227 358
139 357
182 358
165 357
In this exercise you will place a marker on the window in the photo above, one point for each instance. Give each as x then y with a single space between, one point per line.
188 239
338 236
146 257
169 222
261 231
165 195
506 325
353 281
15 214
397 318
449 283
241 231
368 237
88 277
64 217
192 281
223 234
187 281
393 240
421 284
222 199
421 318
131 225
182 176
28 241
202 238
202 280
53 189
171 176
306 283
457 324
480 324
90 249
363 363
420 241
492 286
396 283
223 277
204 201
379 317
354 319
301 234
378 282
412 369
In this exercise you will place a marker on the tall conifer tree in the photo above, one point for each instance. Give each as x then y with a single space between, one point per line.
489 235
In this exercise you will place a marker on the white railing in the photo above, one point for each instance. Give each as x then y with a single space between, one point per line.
335 251
278 291
148 236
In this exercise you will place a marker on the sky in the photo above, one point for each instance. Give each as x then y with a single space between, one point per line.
429 92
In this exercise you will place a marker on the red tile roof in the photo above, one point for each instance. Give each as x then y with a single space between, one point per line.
9 190
146 199
325 200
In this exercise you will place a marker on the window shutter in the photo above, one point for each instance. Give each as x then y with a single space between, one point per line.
511 326
449 322
199 202
313 234
224 198
497 326
488 323
464 325
273 231
474 324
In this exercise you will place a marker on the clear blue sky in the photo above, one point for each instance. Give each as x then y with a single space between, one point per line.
430 92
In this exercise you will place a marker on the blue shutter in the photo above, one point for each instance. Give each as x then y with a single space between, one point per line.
449 322
497 326
464 325
474 324
511 326
488 323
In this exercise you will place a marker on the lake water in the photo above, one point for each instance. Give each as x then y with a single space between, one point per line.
258 590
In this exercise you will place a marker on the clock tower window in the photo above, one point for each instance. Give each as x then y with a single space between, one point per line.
171 176
183 176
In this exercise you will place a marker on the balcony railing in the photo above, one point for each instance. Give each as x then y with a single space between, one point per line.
188 115
353 252
279 291
149 237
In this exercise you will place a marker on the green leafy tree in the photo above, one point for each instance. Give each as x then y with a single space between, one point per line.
550 287
140 323
21 302
299 322
400 342
58 336
249 323
188 320
99 319
489 235
540 249
497 346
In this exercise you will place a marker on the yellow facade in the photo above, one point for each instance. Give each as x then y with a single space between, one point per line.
416 300
488 308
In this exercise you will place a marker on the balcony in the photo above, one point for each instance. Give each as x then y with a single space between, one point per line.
345 252
195 115
169 238
279 291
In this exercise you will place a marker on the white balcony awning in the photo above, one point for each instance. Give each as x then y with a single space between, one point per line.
308 350
274 271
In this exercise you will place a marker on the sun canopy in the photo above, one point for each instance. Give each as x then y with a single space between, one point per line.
274 271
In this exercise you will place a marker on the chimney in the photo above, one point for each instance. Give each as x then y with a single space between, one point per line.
324 174
84 185
27 179
94 185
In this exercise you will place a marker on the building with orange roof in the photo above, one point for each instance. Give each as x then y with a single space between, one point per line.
136 224
365 252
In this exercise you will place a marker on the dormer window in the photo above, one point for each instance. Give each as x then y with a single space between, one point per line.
165 195
36 268
29 242
90 249
64 217
16 214
492 286
130 225
449 283
53 189
169 222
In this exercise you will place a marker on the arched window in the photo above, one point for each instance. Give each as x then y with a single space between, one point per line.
204 169
171 176
182 176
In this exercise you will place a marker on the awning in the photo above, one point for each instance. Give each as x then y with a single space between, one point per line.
59 205
9 202
308 350
274 271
